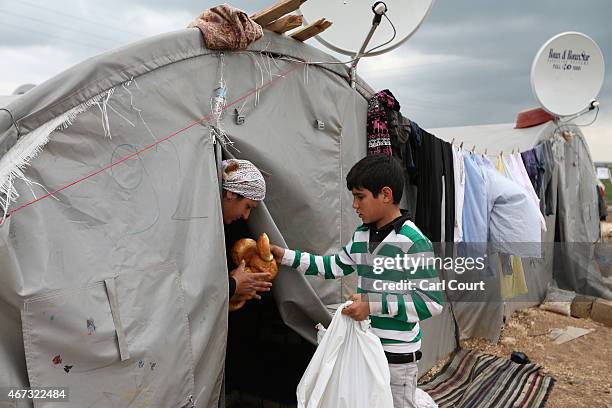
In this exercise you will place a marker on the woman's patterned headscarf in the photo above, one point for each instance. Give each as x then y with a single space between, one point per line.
242 177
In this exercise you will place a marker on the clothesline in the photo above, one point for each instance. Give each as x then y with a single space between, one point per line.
473 151
517 150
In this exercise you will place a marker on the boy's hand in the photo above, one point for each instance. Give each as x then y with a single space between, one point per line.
360 309
278 252
250 283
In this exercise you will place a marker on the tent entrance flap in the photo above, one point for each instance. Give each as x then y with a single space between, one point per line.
265 358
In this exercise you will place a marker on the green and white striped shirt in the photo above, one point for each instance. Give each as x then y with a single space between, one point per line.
395 310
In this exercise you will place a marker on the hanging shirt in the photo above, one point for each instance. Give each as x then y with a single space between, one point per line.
379 138
513 285
412 147
448 181
505 261
475 215
512 274
442 215
428 179
534 164
459 178
514 219
515 170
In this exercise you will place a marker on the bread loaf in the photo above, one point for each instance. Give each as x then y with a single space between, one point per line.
257 257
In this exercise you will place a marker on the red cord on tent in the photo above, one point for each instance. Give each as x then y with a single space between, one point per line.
123 159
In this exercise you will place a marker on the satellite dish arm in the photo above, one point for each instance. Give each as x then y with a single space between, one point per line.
379 8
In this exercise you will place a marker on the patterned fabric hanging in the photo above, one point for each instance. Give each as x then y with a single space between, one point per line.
379 107
227 28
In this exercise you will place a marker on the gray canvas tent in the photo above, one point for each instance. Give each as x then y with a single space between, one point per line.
115 284
7 99
114 280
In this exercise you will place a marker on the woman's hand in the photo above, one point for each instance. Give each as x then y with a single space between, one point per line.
248 284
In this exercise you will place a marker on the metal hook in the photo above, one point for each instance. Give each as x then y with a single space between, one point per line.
13 120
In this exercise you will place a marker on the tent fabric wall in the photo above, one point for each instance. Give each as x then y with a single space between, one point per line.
161 208
7 99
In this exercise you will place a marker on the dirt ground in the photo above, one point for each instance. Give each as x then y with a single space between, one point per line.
582 367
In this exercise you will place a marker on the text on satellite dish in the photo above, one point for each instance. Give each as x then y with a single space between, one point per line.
581 58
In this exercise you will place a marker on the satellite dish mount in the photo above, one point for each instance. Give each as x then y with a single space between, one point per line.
380 9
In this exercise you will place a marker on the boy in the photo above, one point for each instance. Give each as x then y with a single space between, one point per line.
377 184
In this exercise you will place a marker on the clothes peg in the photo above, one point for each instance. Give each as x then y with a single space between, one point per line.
453 141
485 153
567 135
473 148
461 145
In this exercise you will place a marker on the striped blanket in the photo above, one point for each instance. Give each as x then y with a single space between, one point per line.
476 380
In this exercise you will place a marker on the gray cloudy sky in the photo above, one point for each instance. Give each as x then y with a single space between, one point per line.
468 64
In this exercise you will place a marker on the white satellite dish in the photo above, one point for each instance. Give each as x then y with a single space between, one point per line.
567 74
352 19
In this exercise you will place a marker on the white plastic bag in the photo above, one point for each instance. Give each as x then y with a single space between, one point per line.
321 330
423 399
349 369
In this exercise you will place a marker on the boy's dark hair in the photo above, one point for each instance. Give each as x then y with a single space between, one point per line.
375 172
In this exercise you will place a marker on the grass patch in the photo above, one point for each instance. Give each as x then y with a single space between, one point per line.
608 190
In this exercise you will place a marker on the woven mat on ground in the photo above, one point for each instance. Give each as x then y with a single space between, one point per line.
476 380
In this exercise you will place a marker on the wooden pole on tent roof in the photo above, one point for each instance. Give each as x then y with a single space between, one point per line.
285 23
265 17
311 30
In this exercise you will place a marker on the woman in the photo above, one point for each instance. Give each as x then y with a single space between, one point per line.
243 188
